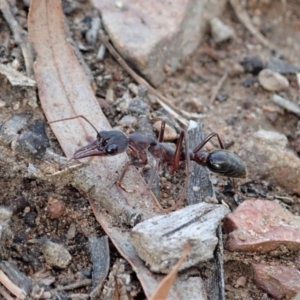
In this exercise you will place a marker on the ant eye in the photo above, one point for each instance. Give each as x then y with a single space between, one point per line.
112 149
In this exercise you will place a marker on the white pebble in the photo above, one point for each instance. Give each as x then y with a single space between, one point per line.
272 81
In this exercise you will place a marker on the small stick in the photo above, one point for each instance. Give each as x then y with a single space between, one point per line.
218 88
5 294
75 285
286 104
246 21
12 287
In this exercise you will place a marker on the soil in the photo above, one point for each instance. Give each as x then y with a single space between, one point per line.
241 108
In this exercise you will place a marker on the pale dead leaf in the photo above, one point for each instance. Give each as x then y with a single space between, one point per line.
64 91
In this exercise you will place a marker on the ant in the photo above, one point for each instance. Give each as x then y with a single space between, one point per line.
114 142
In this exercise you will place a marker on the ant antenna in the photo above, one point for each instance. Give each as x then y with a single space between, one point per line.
79 116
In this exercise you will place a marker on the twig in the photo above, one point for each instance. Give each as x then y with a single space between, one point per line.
79 296
287 200
5 294
272 109
20 36
12 287
212 53
75 285
218 88
286 104
246 21
163 101
66 170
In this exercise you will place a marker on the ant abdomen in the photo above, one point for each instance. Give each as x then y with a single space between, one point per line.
226 163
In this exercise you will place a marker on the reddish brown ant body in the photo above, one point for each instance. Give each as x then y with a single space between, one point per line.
114 142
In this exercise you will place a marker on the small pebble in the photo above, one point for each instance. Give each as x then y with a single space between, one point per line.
16 106
236 70
71 232
196 188
222 97
272 81
92 34
26 209
5 214
55 208
20 238
56 255
252 64
241 281
133 88
16 64
30 219
110 97
46 295
101 52
128 121
248 82
220 32
117 76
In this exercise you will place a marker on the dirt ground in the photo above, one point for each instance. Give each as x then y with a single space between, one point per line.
239 110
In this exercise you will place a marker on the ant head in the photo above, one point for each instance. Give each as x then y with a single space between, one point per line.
111 142
108 143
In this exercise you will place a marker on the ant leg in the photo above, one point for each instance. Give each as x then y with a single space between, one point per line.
158 161
176 161
178 151
138 164
207 139
143 160
175 164
154 171
188 168
162 131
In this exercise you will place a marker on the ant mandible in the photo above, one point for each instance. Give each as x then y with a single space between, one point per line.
114 142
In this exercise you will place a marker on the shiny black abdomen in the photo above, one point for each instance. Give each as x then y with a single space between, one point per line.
226 163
